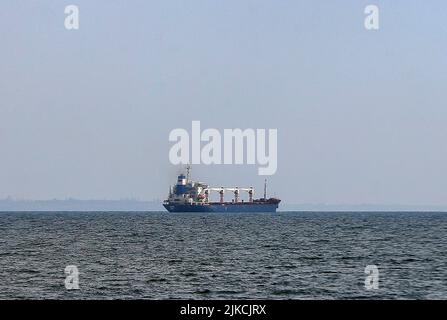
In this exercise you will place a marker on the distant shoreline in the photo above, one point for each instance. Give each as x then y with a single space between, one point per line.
165 211
80 205
76 205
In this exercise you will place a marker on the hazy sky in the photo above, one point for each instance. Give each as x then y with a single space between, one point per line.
361 115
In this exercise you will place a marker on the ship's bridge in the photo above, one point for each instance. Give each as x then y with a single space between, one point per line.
181 187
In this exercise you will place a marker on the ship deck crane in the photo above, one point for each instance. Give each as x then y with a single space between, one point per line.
235 190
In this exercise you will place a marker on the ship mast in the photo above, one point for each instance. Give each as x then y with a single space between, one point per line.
265 189
188 171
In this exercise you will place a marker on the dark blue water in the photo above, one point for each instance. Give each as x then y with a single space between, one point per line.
217 256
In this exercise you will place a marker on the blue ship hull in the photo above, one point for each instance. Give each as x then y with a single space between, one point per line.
218 207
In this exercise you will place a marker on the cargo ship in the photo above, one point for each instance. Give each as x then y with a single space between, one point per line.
193 196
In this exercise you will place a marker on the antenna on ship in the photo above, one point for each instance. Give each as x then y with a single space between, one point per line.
265 189
188 170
